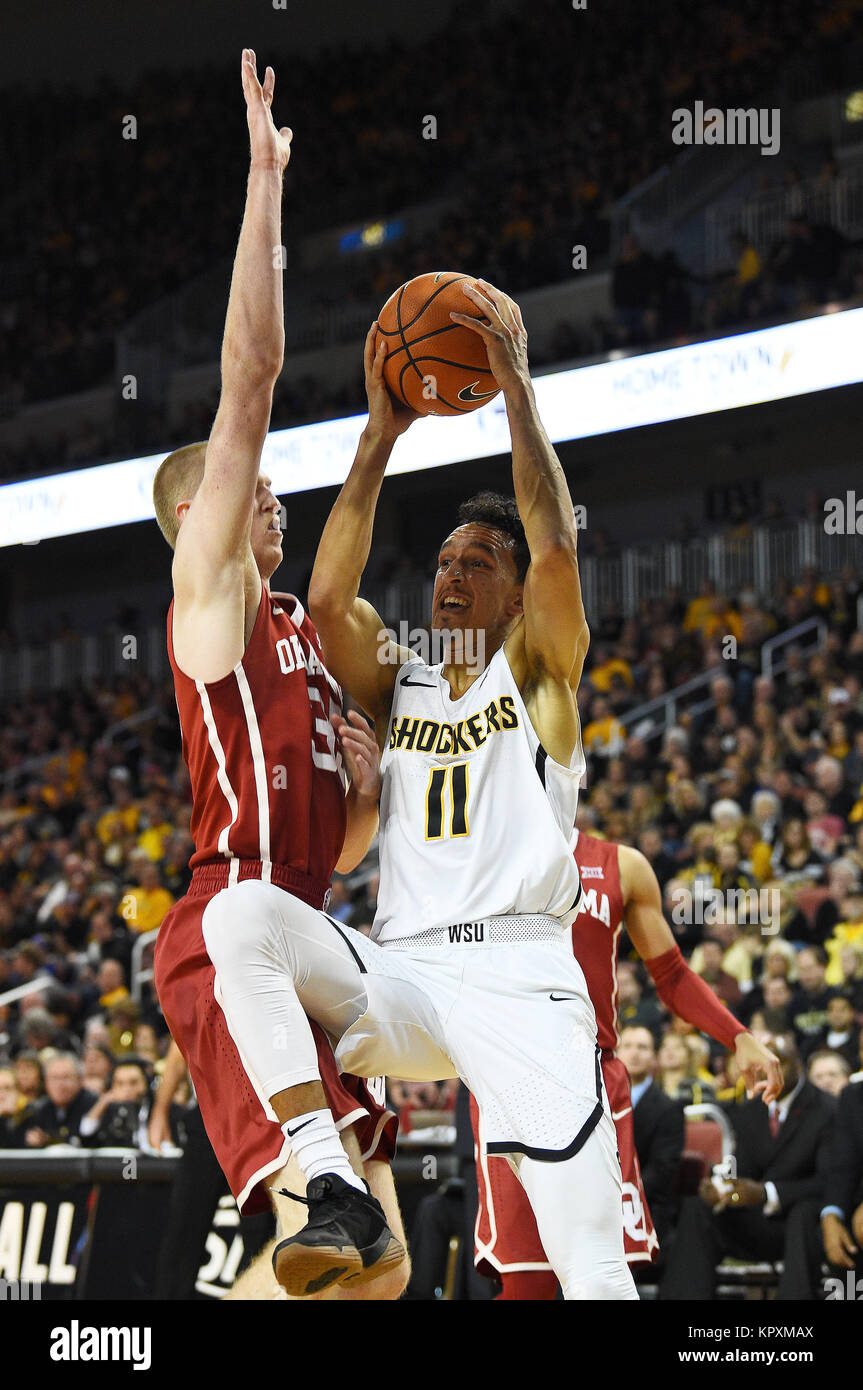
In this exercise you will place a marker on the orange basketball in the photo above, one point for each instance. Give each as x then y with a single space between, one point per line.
434 365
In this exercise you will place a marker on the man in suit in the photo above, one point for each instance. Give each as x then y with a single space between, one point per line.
831 1228
659 1128
56 1119
781 1154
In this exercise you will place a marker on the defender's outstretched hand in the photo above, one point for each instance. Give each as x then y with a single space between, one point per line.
269 145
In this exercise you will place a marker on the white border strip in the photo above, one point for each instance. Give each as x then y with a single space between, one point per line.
768 364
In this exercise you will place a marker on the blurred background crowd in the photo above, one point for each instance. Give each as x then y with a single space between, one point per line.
764 790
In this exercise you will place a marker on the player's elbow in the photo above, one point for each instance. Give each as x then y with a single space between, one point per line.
328 601
254 366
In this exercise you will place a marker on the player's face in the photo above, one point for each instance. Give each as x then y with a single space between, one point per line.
476 585
266 529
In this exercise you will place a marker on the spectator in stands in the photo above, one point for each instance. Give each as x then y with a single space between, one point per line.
851 967
781 1155
842 878
831 1225
809 1005
120 1114
830 779
776 1011
633 1009
707 962
779 961
747 272
29 1076
635 292
795 855
604 735
56 1119
659 1127
840 1033
98 1065
828 1070
13 1111
679 1074
145 904
848 932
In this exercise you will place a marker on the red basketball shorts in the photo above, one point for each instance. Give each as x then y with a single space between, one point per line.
247 1140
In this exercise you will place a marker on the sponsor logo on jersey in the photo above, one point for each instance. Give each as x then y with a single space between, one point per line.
590 870
468 932
416 735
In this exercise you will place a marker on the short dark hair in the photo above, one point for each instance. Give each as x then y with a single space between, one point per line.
493 509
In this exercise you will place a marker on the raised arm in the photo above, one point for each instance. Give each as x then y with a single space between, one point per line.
556 635
679 988
213 543
351 633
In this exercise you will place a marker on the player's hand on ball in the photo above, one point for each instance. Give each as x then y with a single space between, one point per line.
387 418
502 329
269 145
360 752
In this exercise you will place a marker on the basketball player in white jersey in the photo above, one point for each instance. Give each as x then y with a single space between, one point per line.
469 972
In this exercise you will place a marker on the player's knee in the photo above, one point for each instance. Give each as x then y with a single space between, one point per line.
234 921
608 1281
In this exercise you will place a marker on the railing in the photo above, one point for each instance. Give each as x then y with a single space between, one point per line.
675 190
754 560
57 665
783 639
666 706
764 216
31 987
140 976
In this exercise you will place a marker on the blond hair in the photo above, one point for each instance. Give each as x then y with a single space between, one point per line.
177 480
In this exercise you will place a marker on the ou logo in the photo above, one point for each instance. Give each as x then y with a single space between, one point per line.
633 1213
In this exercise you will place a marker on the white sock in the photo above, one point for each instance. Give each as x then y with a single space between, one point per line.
316 1146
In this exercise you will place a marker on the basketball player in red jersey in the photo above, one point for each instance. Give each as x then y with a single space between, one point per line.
260 717
619 885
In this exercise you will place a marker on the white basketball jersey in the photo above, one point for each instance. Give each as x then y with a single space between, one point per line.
476 819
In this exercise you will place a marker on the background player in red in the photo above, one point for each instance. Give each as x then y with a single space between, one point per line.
260 716
619 886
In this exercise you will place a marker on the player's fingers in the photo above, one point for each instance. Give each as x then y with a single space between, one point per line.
505 306
269 85
357 719
485 330
482 301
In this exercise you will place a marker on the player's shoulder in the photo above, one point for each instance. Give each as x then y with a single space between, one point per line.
414 673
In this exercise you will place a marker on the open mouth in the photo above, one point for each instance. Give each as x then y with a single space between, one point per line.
453 604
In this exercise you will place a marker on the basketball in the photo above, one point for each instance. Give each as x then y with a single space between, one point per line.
433 365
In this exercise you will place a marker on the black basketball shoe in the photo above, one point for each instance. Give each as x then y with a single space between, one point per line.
345 1241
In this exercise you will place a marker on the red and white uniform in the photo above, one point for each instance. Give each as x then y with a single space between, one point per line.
269 803
506 1237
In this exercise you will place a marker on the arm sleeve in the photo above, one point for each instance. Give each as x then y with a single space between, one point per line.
687 995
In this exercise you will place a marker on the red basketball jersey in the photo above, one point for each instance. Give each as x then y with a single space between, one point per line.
597 928
267 777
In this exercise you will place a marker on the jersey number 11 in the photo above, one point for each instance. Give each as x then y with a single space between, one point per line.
437 796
